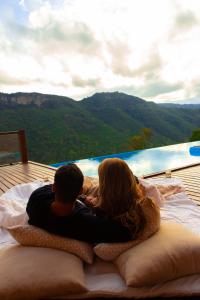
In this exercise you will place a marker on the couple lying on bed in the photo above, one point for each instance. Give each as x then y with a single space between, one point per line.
117 210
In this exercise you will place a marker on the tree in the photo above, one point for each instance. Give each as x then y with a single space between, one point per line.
140 141
195 135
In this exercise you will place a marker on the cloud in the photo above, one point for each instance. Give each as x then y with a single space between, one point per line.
185 20
30 5
158 88
22 3
76 48
66 38
157 91
192 94
151 68
91 82
6 79
119 52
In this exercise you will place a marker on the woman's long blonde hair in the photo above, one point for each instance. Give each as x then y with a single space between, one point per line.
120 195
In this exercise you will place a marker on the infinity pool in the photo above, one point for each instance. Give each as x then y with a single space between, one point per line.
143 162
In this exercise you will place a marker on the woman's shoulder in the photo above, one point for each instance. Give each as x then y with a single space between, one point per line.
151 191
149 202
150 207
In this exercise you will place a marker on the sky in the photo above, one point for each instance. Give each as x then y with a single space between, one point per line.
75 48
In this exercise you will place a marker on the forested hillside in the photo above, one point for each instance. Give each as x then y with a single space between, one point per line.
59 128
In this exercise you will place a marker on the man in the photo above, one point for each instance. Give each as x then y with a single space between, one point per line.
56 209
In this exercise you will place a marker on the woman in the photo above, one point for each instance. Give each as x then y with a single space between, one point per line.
120 197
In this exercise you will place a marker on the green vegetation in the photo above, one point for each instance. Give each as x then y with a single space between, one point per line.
142 140
195 135
60 129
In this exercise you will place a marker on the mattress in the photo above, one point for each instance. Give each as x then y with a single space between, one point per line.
102 278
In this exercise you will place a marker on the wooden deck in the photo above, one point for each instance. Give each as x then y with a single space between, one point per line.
190 176
12 175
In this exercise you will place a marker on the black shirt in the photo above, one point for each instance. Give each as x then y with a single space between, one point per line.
80 224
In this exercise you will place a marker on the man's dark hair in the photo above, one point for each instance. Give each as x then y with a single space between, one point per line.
68 182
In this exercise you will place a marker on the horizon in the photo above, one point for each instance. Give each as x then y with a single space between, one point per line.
62 47
114 92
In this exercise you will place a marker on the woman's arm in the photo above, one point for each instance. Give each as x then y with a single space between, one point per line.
90 186
151 191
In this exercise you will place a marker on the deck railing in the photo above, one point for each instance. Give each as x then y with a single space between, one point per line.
13 147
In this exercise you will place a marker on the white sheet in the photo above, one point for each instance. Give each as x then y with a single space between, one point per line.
102 278
12 208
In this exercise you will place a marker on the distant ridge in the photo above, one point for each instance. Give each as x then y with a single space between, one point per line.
37 99
60 128
106 96
173 105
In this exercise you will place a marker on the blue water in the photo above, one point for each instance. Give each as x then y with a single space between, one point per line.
143 162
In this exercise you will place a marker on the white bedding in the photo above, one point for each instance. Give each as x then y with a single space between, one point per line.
102 278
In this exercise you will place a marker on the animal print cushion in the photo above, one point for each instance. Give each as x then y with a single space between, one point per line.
28 235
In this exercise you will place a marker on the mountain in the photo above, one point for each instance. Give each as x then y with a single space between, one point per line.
60 128
173 105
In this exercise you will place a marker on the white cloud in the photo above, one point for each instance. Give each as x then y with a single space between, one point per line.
22 3
41 17
77 47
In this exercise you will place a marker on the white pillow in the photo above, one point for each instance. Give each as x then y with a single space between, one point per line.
172 252
110 251
28 235
166 186
39 273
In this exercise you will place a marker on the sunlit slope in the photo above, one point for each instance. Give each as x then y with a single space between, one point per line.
128 114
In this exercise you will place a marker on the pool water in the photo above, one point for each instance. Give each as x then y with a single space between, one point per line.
143 162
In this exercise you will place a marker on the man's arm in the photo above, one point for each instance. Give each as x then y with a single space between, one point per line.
94 229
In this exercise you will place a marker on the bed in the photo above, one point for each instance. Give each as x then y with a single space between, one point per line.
102 278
